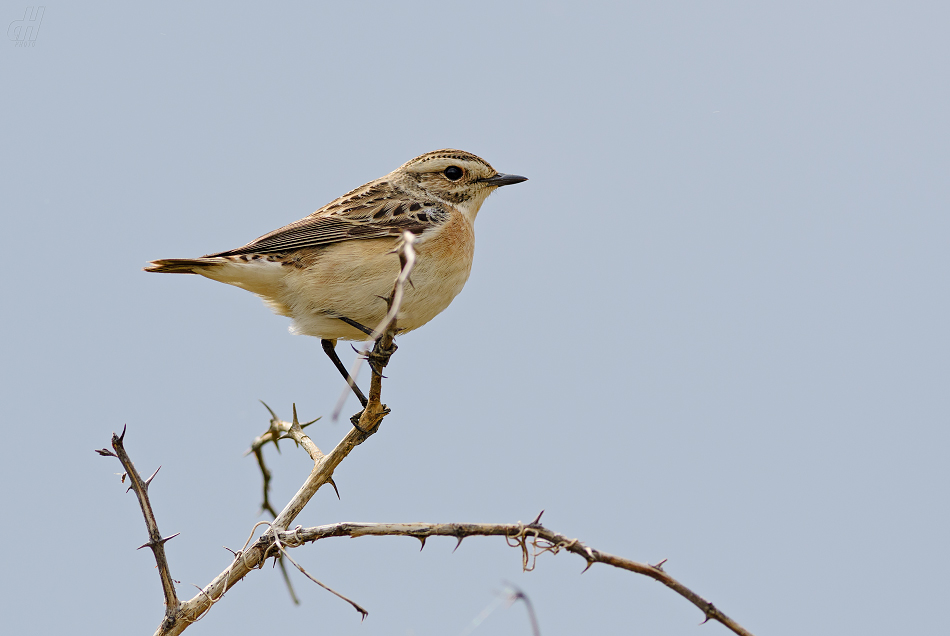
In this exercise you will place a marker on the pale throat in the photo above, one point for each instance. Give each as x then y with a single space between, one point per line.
469 208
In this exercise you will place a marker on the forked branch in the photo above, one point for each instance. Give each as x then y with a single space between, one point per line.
365 424
532 539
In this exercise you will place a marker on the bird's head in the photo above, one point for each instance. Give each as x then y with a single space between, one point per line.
456 177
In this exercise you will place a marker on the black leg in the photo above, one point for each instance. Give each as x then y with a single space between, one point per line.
330 350
353 323
377 359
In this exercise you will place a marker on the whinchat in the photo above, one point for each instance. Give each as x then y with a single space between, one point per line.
332 271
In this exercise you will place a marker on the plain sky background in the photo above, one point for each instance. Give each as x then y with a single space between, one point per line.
712 328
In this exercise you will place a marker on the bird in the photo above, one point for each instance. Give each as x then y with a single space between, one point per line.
332 271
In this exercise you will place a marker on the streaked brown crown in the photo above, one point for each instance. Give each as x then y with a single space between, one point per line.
433 173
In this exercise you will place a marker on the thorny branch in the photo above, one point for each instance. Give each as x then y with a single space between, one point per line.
155 540
283 553
366 423
533 539
276 431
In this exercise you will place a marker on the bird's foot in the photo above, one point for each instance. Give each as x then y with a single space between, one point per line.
373 422
379 357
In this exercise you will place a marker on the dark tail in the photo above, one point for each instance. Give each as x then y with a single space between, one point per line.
181 265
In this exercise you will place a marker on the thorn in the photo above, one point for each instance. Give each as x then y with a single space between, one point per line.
333 483
273 415
295 422
710 612
537 520
122 479
230 550
171 537
382 298
317 419
659 566
122 436
589 563
151 544
458 544
422 540
149 480
105 452
409 280
290 437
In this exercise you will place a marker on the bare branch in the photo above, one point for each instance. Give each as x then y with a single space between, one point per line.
534 540
155 540
277 429
355 605
266 475
365 424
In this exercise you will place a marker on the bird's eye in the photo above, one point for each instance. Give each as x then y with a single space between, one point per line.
453 173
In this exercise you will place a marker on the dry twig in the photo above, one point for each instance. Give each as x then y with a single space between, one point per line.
155 540
365 423
533 539
276 430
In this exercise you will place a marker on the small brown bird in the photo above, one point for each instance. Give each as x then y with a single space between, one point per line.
332 271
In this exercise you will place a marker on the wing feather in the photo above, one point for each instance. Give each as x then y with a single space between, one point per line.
373 211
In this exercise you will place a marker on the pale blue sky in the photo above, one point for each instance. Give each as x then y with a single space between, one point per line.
711 328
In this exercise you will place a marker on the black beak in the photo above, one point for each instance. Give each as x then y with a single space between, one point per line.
503 179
